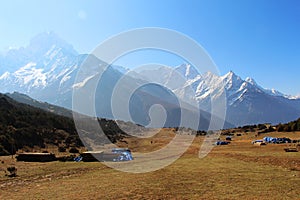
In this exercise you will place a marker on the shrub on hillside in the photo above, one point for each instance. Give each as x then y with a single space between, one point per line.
62 149
73 150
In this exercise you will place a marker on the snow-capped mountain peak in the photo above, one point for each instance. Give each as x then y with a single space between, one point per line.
251 81
187 71
231 76
232 81
39 65
46 41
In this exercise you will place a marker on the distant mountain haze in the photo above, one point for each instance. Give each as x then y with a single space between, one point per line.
47 68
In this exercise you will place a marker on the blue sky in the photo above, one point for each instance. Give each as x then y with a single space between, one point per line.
256 38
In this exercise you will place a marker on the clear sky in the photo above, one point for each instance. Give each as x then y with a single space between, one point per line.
256 38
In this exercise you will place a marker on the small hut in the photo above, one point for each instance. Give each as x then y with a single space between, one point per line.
116 155
92 156
36 157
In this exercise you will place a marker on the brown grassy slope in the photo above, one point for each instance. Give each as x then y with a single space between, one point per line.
239 170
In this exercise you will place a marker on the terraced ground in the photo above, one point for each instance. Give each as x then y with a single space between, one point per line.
239 170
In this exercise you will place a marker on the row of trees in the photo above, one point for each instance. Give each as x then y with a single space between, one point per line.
289 127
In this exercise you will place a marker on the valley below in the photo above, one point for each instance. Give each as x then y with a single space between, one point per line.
187 100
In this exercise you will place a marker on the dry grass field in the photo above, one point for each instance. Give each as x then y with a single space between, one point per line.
239 170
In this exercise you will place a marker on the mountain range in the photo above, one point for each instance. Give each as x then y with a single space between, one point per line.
247 102
47 68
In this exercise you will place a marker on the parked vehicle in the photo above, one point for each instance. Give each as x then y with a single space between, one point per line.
257 141
222 143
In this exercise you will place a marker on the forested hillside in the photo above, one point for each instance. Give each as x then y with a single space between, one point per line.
22 126
288 127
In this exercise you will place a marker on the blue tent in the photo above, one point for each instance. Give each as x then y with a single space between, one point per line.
125 154
270 139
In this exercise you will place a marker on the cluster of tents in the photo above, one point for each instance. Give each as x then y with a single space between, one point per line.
272 140
277 140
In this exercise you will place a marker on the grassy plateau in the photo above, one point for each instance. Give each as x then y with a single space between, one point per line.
239 170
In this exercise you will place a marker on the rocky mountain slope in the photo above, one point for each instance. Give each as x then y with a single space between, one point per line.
47 68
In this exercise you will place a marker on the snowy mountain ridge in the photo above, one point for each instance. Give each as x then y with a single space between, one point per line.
232 82
46 70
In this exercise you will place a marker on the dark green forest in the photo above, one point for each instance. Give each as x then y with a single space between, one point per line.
22 126
289 127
